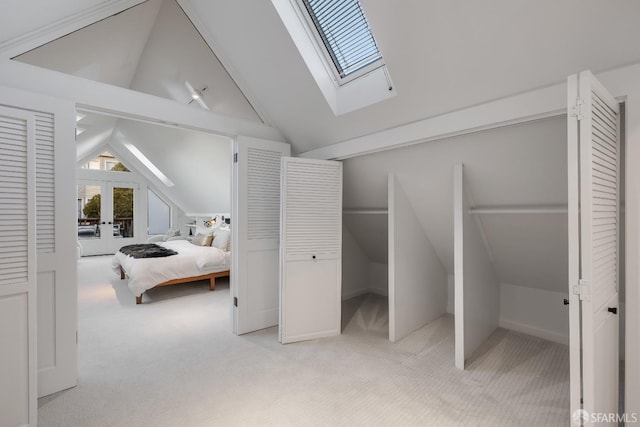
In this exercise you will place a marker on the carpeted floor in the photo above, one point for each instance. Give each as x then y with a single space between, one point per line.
174 362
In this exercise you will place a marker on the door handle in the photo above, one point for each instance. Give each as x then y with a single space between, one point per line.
103 223
613 310
565 301
110 223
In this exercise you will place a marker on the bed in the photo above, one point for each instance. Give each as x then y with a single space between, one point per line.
191 263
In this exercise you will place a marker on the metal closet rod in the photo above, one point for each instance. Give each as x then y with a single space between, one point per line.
519 209
375 211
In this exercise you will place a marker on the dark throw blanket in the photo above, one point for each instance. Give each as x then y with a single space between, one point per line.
147 250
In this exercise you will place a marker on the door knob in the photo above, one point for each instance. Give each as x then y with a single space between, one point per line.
314 257
110 223
613 310
103 223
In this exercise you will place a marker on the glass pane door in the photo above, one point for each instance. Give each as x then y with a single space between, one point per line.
123 212
89 211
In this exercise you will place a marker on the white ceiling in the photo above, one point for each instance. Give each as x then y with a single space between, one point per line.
442 55
151 48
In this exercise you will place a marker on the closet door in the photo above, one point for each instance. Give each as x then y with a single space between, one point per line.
594 159
55 237
18 304
255 229
310 249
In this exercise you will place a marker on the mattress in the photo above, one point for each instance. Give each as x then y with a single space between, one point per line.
191 260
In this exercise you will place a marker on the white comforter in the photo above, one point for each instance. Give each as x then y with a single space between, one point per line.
191 260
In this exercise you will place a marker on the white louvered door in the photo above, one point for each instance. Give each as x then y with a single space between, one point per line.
594 215
55 236
310 249
18 304
255 229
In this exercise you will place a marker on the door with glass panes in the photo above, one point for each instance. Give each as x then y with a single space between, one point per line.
106 216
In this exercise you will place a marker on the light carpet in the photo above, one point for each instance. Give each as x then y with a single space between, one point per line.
173 361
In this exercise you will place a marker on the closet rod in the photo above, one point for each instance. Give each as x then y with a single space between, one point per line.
365 211
522 210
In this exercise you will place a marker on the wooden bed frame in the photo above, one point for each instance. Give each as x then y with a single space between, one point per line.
211 277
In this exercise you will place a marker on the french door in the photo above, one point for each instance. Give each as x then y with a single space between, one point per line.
107 213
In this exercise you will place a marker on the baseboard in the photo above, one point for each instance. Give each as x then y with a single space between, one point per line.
380 292
355 293
536 332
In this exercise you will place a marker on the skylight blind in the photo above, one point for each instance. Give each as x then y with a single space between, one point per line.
345 33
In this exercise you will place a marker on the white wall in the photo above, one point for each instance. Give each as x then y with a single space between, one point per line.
198 163
378 278
477 296
536 312
417 278
355 267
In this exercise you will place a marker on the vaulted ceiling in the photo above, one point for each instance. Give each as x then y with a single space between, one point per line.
442 55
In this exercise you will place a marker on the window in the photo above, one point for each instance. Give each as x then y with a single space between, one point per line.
106 162
345 33
159 214
336 44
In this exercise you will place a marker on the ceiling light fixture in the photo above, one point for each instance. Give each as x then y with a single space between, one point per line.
196 95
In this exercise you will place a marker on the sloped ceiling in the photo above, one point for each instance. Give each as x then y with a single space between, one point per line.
442 56
517 165
151 48
198 163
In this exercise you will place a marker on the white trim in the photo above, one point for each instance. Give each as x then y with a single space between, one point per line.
21 44
106 99
518 210
458 265
391 256
534 105
533 331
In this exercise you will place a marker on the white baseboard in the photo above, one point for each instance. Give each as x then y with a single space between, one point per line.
382 292
536 332
355 293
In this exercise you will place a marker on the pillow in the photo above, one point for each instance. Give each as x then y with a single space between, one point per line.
202 239
172 232
204 230
222 238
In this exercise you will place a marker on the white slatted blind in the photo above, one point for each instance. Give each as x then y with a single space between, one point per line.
45 183
263 194
13 201
604 176
313 209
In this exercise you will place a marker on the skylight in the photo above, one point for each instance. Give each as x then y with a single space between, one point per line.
145 161
345 33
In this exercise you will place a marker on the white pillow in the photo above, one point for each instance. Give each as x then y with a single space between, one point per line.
221 238
202 239
204 230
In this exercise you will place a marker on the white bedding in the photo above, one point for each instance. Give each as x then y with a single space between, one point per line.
191 260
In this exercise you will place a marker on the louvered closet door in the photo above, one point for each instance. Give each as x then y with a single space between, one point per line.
18 358
311 249
255 229
594 244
